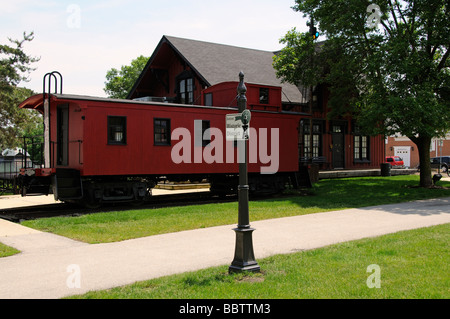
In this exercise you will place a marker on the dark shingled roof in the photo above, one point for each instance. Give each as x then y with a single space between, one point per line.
217 63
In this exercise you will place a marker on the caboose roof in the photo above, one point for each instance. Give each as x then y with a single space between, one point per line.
36 102
216 63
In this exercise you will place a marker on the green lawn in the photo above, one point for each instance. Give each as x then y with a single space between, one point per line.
6 251
326 195
412 264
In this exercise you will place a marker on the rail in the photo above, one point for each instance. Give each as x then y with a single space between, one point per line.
79 149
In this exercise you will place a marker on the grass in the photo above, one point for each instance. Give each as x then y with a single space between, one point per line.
6 251
413 264
327 195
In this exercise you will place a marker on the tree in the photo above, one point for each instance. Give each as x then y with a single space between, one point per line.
120 82
14 122
387 64
14 68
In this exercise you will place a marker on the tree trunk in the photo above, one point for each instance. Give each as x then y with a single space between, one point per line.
423 145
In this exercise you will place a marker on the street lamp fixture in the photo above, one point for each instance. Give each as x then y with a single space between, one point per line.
244 258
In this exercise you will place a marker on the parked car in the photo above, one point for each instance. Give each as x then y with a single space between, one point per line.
395 161
442 162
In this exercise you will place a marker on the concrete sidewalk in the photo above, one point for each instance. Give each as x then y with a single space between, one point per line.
47 264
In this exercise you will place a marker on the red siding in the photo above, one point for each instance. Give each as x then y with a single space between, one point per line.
141 157
160 79
223 95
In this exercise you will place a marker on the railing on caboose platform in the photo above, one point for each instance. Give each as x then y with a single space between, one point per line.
33 151
10 169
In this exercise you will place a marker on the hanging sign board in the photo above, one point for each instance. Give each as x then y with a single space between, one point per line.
234 126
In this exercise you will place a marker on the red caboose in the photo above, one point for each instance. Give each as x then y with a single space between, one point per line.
102 150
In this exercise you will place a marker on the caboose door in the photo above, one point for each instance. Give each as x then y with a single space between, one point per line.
62 132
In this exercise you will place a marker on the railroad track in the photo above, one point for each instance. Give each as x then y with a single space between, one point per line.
65 209
158 201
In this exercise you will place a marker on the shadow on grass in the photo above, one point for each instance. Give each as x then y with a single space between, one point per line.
363 192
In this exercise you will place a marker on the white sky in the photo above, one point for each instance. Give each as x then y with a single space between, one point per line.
84 39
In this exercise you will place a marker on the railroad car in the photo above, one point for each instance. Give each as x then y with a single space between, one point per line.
100 150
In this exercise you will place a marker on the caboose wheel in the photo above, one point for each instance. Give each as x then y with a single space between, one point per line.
90 203
137 202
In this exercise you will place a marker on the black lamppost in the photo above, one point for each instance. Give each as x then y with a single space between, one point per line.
244 258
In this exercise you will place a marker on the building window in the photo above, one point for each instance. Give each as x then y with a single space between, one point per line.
161 128
264 96
186 91
117 130
361 152
361 145
337 129
316 141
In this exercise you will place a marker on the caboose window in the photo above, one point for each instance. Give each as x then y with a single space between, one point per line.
161 129
264 96
206 134
117 130
208 99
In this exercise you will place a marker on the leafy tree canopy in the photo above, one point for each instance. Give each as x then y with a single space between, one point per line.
119 82
15 68
386 63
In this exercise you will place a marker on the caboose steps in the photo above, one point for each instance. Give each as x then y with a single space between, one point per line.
66 184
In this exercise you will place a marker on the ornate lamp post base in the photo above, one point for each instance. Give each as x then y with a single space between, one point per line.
244 258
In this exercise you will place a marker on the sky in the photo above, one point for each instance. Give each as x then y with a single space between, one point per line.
84 39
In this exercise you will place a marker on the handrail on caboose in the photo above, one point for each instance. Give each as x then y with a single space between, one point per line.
50 75
46 103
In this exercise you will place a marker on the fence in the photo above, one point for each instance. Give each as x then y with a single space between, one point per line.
9 170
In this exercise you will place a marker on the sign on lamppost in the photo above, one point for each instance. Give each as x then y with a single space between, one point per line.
244 258
237 126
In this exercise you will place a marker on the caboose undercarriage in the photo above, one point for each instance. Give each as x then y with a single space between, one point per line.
91 191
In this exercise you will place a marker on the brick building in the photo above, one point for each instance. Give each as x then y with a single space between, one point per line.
406 149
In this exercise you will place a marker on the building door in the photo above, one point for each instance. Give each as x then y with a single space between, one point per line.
405 153
62 135
338 146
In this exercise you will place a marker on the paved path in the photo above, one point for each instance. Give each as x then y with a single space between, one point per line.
46 266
